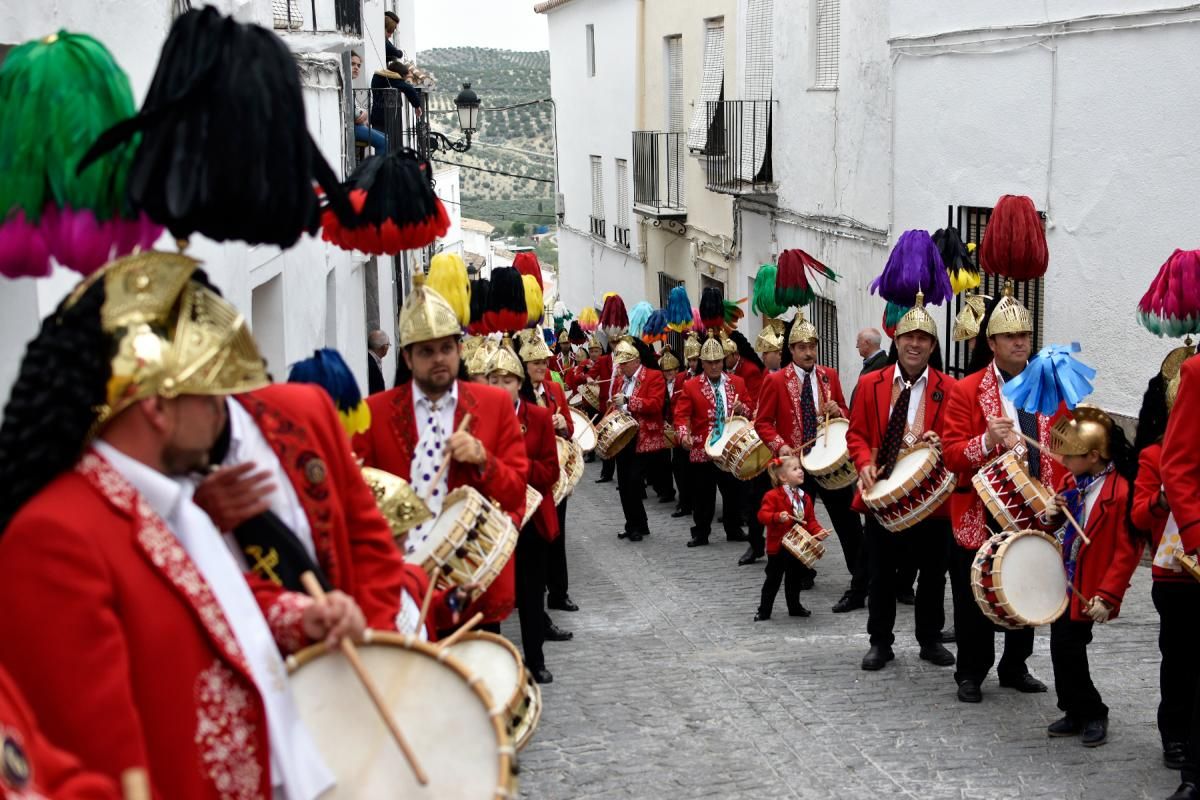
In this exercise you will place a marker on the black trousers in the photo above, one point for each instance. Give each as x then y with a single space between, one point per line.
530 578
924 544
556 558
1178 606
657 468
786 568
630 471
975 634
847 524
1078 697
707 478
683 486
607 467
752 497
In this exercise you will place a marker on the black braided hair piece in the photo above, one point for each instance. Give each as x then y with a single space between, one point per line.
746 350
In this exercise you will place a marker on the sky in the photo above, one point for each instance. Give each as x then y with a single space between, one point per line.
507 24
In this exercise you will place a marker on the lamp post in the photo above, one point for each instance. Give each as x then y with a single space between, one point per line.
467 103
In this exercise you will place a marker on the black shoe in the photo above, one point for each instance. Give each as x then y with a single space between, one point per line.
1025 683
698 542
1174 755
906 597
623 534
1186 791
667 498
968 692
877 657
737 536
603 479
948 635
541 675
849 602
557 634
634 536
937 654
799 611
748 557
564 603
808 581
1095 733
761 617
1063 727
680 512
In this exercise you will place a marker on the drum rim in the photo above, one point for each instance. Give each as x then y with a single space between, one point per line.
903 489
993 546
523 735
435 557
488 636
1002 596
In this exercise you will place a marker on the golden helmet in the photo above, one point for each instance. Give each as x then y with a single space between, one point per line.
770 338
624 352
668 360
917 319
966 324
397 501
594 344
426 315
505 360
173 336
1087 431
1009 316
1174 361
712 350
477 363
729 346
532 345
802 330
691 347
1172 391
470 344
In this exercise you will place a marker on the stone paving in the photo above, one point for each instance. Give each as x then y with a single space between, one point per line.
669 690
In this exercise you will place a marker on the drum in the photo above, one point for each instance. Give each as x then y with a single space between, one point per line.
1018 579
804 546
1189 563
1011 494
497 663
591 395
583 432
469 542
670 435
614 432
918 485
829 459
459 740
570 468
533 499
739 451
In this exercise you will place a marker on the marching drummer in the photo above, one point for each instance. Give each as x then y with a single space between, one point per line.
1099 560
638 390
784 506
789 427
418 425
979 426
894 410
705 402
675 379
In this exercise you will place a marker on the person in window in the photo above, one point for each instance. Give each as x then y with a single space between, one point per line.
385 106
362 132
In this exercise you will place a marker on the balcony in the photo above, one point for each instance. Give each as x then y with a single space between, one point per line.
597 226
392 122
621 236
739 147
311 16
658 159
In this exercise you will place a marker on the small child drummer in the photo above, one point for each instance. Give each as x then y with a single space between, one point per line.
1099 563
782 508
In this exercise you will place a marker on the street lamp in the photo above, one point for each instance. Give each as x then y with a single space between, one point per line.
467 103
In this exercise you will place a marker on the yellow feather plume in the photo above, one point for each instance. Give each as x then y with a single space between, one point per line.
448 277
533 298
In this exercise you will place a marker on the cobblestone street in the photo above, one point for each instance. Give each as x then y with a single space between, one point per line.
670 691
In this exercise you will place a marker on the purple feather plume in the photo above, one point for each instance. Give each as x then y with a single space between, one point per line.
914 265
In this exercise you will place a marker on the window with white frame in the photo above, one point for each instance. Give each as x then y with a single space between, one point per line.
827 33
674 69
591 51
712 84
597 216
749 154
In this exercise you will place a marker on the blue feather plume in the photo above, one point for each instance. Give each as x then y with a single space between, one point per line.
638 316
327 369
679 310
1051 378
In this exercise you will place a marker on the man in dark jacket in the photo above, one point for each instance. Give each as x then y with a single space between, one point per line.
873 356
377 347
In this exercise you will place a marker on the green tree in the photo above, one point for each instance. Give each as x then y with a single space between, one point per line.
517 228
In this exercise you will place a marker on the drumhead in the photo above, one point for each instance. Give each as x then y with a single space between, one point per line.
583 432
498 665
732 426
438 530
1032 577
906 466
446 720
829 447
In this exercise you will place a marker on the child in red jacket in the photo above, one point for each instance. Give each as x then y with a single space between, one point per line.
1096 493
782 507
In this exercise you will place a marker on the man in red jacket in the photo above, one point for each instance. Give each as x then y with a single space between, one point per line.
415 426
179 655
790 406
1181 479
895 409
641 391
981 424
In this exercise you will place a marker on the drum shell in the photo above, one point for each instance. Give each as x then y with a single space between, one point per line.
584 432
916 498
521 710
477 544
988 587
1010 494
803 545
840 472
614 433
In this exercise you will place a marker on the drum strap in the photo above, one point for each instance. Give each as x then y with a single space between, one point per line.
274 552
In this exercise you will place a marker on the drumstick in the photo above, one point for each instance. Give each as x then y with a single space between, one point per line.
1075 524
426 601
135 784
437 478
313 587
463 631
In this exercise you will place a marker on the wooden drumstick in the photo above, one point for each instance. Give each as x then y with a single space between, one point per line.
437 478
426 601
463 631
313 587
135 784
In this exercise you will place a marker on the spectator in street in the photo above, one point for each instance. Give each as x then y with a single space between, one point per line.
390 23
873 356
378 344
362 131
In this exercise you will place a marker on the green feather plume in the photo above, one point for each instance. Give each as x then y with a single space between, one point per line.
764 292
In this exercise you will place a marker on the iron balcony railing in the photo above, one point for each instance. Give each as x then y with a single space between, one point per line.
301 15
738 152
597 226
391 124
658 159
621 236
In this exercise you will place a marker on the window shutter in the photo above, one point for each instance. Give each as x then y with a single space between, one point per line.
828 39
711 83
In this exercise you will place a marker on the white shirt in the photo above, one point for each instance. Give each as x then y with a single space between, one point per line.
1010 408
1089 499
916 395
297 769
816 393
627 388
433 432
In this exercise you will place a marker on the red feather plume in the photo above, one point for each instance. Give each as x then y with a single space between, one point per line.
1014 243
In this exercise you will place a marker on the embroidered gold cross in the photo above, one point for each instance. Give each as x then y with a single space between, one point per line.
265 565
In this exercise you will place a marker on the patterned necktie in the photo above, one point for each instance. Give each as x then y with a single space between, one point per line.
1077 504
893 435
808 411
1029 427
718 427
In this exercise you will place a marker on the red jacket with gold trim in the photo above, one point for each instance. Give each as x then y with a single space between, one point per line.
120 644
752 375
1181 456
972 400
542 453
645 404
777 419
556 403
695 410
